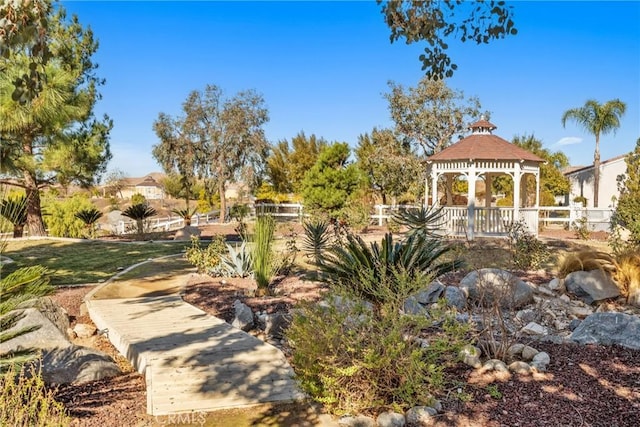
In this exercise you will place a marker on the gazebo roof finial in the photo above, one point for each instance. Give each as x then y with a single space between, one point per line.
482 126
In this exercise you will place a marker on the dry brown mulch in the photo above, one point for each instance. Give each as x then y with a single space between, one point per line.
584 385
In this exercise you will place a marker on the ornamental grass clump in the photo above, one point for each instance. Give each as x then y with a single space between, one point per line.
263 257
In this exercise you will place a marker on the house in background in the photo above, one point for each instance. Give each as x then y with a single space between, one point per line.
149 186
581 180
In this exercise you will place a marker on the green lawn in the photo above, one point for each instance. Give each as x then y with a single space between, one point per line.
82 262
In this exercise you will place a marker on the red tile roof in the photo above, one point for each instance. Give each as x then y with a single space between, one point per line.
484 146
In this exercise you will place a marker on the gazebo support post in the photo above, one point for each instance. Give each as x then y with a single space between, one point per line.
488 178
516 191
471 199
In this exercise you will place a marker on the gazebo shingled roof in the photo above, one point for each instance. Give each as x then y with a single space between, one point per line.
482 145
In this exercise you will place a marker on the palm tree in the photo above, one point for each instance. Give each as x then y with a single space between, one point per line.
139 213
14 210
597 119
89 217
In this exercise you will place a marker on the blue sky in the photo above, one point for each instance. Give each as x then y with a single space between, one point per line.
323 67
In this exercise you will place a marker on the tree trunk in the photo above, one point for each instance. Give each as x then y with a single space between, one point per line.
596 172
35 225
18 231
223 202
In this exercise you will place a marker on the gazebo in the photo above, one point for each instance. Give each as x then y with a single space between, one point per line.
484 156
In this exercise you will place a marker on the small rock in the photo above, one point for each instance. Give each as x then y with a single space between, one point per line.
390 419
528 353
541 361
495 365
244 316
276 324
580 311
520 367
515 349
420 416
470 355
359 421
556 285
526 316
71 334
534 329
84 330
455 297
431 294
564 298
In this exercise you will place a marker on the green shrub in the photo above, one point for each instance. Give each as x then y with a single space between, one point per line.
26 401
527 251
262 250
61 217
14 210
207 260
317 239
354 361
138 199
581 228
505 202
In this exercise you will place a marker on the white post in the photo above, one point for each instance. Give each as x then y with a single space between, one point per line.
379 208
516 191
471 200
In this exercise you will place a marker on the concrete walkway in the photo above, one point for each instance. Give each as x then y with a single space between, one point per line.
191 361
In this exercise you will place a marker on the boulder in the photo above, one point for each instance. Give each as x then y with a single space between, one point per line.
528 353
520 367
359 421
609 329
414 307
185 233
76 365
391 419
455 297
516 350
419 416
534 328
275 324
46 336
51 310
591 286
541 361
243 316
489 285
495 365
431 294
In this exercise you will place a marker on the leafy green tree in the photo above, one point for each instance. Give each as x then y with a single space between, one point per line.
626 213
597 119
430 115
25 28
287 165
222 138
389 165
435 22
179 152
61 219
330 182
49 133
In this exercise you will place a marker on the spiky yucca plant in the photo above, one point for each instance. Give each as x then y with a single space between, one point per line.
585 260
139 213
426 221
89 217
14 210
316 239
363 267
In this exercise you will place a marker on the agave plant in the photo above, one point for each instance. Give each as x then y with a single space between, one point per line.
185 214
237 262
427 221
377 272
139 213
14 210
317 238
89 217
